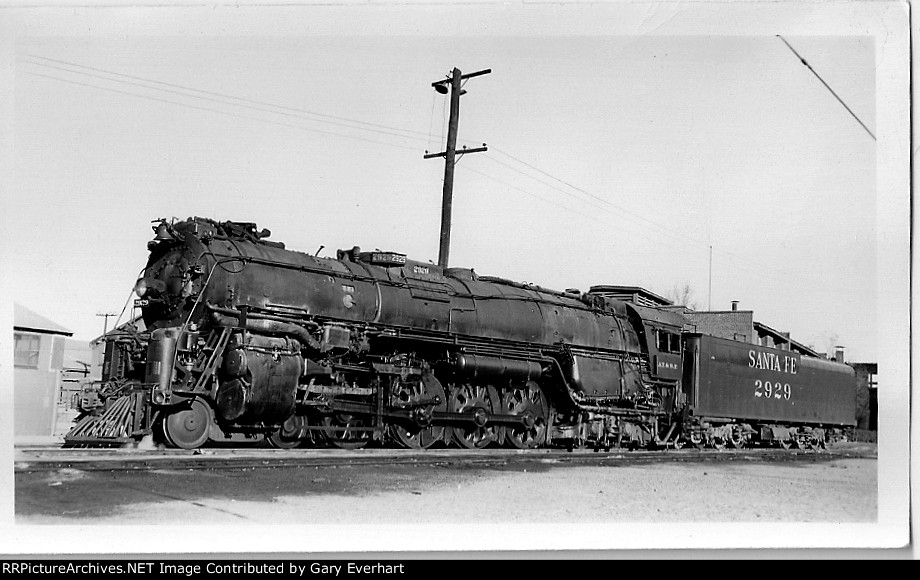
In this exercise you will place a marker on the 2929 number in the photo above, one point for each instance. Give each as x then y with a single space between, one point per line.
772 390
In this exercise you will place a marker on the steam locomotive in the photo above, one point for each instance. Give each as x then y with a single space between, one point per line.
246 340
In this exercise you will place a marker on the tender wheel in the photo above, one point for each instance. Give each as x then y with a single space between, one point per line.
786 443
469 398
188 426
737 439
418 434
717 443
346 431
697 440
290 434
530 402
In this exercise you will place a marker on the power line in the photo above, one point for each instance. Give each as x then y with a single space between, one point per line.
225 102
217 94
187 105
666 230
606 222
669 231
535 196
827 87
741 260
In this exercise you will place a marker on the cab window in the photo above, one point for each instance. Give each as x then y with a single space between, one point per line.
667 341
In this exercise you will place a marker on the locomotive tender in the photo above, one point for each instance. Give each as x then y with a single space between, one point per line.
246 340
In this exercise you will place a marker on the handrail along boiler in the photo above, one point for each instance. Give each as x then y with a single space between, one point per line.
247 339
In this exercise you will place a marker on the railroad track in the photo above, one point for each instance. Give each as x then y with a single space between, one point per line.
130 459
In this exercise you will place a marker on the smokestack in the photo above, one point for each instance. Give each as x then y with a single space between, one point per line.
734 305
838 353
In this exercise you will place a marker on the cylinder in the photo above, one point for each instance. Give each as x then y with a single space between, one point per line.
476 366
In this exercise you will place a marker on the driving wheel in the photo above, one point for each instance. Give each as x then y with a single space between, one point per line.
529 403
423 395
346 431
290 434
479 401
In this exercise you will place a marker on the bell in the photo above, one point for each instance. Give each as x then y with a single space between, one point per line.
162 232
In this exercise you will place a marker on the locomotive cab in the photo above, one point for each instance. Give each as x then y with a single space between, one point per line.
660 333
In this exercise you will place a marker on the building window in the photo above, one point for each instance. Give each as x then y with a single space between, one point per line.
25 350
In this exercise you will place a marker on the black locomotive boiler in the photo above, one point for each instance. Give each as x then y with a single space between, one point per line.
246 340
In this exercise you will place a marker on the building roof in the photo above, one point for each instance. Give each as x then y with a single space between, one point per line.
635 294
762 328
25 319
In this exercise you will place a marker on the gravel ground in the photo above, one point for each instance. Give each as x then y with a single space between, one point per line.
842 490
533 506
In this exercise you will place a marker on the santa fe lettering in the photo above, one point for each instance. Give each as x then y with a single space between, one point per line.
771 362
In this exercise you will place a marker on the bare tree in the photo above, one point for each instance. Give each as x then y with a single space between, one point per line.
682 295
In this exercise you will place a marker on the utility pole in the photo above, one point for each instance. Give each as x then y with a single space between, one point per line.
106 315
710 278
450 155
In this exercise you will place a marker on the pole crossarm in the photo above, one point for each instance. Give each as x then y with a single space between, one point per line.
462 77
457 152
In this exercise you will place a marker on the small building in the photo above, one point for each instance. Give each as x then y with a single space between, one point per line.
740 325
38 362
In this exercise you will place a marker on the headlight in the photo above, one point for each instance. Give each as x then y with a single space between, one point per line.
150 287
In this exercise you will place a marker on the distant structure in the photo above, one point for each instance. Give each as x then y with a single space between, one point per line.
38 361
740 325
866 395
731 324
635 294
97 345
79 368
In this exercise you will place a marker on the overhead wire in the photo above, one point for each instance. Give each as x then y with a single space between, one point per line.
221 95
219 112
224 102
431 119
529 193
374 127
666 230
259 105
670 232
608 223
836 96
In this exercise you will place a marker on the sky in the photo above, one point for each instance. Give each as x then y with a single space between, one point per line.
655 144
613 158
